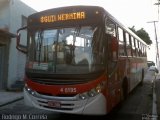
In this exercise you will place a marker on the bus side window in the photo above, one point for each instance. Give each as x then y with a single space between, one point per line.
110 28
133 47
121 42
112 42
140 49
137 49
143 51
128 44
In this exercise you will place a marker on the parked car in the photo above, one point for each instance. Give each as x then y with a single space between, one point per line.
150 63
153 68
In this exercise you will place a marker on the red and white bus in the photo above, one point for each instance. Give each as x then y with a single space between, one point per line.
80 60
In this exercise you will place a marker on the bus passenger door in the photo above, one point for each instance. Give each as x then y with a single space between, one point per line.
113 83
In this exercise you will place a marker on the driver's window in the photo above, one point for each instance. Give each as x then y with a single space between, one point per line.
110 28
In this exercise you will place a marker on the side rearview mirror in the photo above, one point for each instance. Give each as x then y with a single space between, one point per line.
19 46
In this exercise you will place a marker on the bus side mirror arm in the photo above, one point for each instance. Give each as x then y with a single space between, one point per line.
19 46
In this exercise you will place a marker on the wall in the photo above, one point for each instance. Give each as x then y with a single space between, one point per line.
4 15
16 58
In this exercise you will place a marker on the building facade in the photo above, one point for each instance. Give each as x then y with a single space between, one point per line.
13 15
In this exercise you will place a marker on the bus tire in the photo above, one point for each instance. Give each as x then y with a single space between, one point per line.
125 88
142 79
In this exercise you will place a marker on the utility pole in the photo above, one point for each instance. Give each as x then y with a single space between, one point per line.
158 3
157 54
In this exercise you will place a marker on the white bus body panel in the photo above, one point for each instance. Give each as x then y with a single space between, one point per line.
91 106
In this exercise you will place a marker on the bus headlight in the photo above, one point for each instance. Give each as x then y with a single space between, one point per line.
98 88
93 92
82 96
29 90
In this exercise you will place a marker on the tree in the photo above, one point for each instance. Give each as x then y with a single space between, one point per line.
133 29
142 34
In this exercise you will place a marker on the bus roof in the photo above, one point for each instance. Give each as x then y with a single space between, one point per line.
74 15
67 16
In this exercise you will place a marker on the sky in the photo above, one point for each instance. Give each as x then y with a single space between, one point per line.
129 12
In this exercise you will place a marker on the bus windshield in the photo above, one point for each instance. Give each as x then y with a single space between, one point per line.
66 51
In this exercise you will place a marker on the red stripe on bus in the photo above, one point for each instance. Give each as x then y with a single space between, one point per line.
57 89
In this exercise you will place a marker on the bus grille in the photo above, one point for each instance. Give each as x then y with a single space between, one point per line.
55 103
58 81
58 95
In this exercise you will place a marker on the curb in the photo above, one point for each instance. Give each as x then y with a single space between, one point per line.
9 102
154 100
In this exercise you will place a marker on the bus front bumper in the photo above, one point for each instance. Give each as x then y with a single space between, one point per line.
91 106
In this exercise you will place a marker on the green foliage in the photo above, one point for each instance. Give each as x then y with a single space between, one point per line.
142 34
133 29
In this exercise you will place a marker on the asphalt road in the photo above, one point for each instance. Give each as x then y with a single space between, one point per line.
137 105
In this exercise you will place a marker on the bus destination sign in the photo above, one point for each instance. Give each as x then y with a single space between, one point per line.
63 17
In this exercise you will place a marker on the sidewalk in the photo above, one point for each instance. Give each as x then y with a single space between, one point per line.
149 76
157 90
9 97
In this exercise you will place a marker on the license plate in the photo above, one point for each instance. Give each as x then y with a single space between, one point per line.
54 104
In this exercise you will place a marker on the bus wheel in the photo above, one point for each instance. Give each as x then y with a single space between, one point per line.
142 79
125 88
